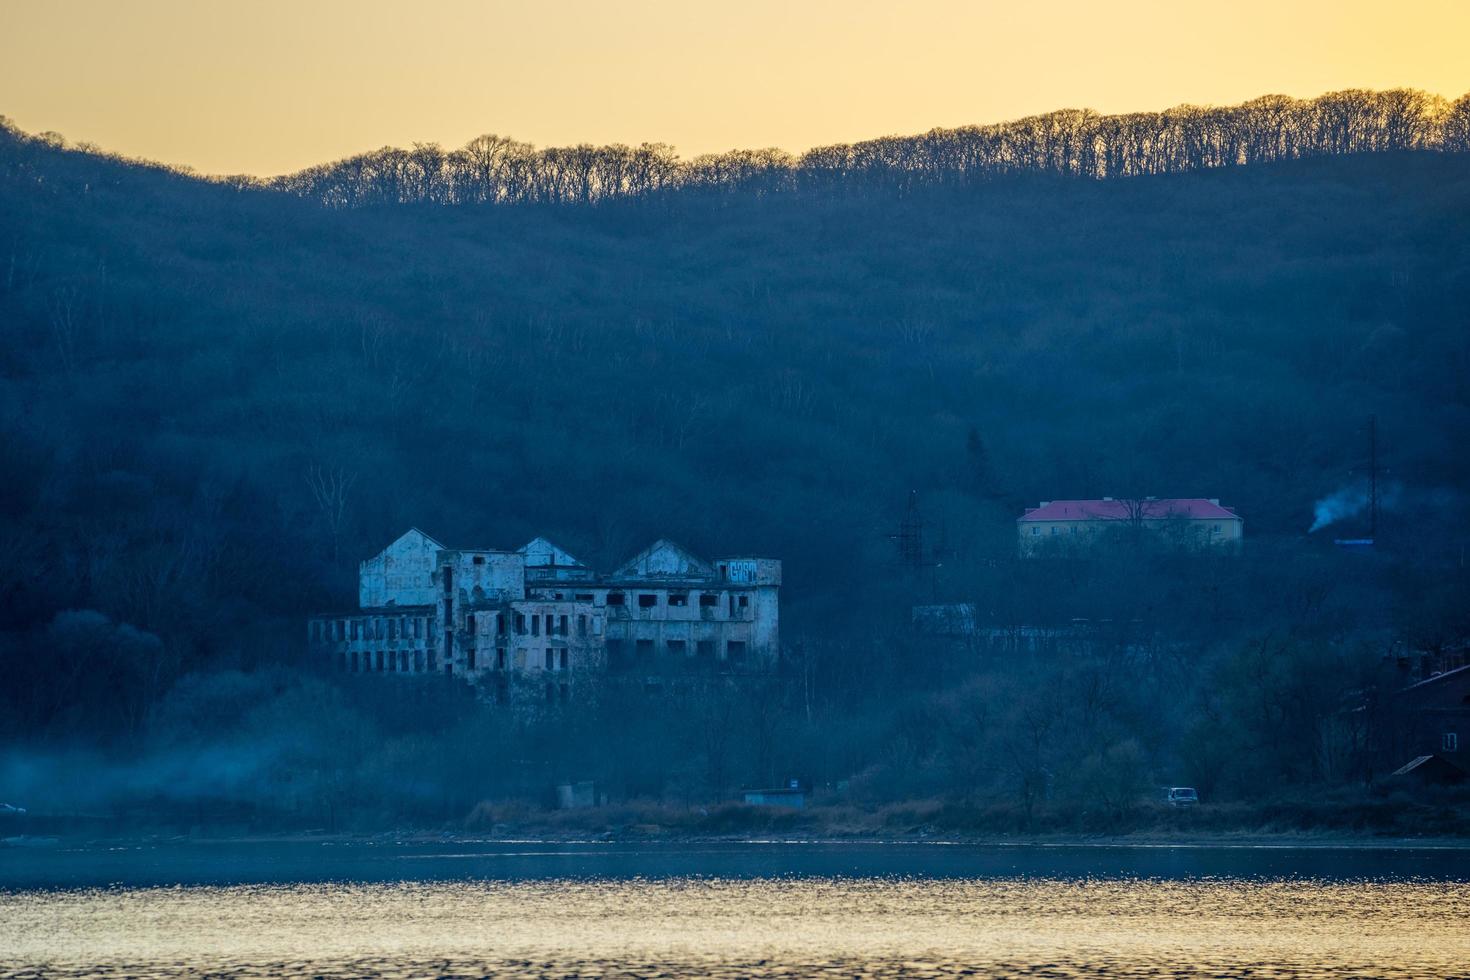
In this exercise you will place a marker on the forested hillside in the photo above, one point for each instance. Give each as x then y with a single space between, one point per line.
216 397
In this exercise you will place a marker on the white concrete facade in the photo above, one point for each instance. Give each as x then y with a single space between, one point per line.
401 574
537 618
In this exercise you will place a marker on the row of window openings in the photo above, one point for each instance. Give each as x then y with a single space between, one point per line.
336 630
391 661
646 600
555 625
1214 529
401 661
707 600
704 649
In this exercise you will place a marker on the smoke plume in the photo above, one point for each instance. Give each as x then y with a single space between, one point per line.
1351 501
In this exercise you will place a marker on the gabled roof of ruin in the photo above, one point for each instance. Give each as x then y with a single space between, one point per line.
413 530
559 555
665 559
410 531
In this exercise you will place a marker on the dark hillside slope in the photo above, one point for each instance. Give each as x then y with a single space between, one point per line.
215 400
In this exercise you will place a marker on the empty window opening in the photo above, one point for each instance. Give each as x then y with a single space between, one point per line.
535 625
735 651
380 661
647 600
678 648
470 659
520 625
705 649
500 624
549 625
564 659
448 580
645 651
582 624
745 602
679 599
356 628
584 597
449 668
731 604
1449 742
708 600
403 662
550 663
479 559
500 658
615 598
563 625
469 622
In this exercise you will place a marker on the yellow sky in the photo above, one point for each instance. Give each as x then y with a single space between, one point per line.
267 86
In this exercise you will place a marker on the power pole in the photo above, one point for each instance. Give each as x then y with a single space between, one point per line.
912 555
910 536
1373 478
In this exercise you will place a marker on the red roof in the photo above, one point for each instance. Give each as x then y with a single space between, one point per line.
1163 508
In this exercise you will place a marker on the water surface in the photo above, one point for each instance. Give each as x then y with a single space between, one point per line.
735 910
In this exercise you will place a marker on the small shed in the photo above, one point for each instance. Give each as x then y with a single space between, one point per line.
787 796
578 796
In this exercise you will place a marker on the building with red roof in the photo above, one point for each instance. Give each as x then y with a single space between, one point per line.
1060 526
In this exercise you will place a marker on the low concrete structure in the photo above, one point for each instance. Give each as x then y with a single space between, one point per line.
789 796
538 619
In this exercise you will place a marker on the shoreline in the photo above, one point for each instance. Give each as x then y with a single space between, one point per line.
531 838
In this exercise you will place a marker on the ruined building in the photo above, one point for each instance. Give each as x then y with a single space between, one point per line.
537 616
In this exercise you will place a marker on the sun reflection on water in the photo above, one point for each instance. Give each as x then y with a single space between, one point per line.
760 928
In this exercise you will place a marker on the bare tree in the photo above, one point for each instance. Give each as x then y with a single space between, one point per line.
331 488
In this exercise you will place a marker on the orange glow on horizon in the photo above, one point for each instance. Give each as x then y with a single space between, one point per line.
273 85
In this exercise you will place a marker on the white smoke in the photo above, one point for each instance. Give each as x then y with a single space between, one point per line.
1350 501
1339 505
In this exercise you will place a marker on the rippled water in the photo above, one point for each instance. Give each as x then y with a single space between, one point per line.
758 927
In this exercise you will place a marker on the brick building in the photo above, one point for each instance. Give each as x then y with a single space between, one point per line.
1063 526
